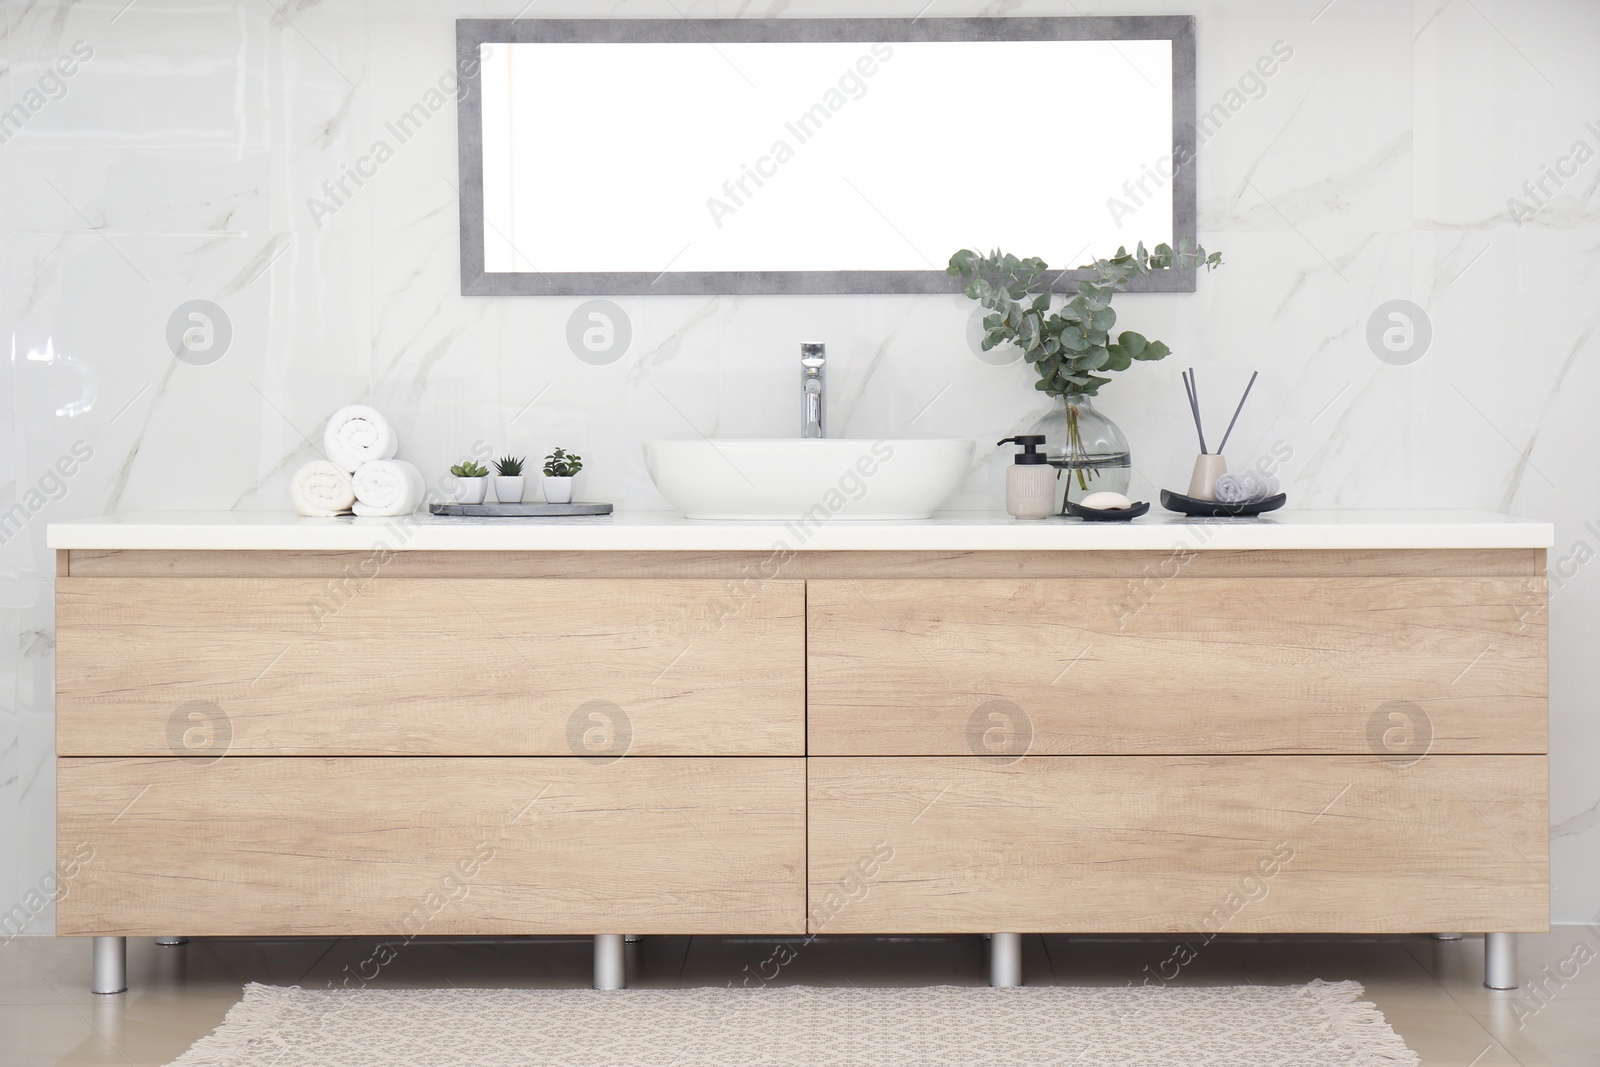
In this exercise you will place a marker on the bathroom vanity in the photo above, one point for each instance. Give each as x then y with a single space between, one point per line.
1316 723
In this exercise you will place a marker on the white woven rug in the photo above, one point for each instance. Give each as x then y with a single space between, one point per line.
1319 1025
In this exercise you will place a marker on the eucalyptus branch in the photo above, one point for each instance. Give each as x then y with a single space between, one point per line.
1070 346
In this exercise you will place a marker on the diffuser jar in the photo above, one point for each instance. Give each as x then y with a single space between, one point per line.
1088 451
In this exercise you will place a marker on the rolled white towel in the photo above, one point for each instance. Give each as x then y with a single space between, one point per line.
1245 487
358 434
321 489
388 487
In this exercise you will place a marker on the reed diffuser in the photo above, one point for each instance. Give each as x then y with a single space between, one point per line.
1209 466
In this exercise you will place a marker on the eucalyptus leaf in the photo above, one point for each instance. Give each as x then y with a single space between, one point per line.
1028 332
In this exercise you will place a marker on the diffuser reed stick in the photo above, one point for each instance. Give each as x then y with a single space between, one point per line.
1224 446
1193 393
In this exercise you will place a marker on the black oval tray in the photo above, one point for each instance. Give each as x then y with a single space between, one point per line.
1103 515
1188 505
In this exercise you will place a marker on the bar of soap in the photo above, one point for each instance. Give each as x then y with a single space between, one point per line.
1106 502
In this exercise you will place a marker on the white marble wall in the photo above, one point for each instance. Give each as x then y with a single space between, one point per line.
1376 165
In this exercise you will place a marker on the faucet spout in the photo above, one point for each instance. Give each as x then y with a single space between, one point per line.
813 389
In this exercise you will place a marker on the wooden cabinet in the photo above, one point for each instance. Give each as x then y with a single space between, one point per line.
585 742
303 755
1226 750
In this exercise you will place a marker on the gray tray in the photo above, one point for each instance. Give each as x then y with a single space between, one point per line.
518 511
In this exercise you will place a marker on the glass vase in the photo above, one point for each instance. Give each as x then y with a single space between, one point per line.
1088 451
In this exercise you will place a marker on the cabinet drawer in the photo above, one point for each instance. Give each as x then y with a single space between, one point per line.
204 667
1195 665
1195 845
399 847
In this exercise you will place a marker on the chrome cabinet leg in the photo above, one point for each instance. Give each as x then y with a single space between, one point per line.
110 965
1005 960
1500 961
610 969
170 942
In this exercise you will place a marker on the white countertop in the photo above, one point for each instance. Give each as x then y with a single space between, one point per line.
666 531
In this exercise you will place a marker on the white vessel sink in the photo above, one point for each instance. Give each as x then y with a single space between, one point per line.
795 478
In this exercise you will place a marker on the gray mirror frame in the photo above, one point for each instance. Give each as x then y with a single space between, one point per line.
471 33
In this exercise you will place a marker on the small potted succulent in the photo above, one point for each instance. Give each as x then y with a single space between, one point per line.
560 467
472 478
508 479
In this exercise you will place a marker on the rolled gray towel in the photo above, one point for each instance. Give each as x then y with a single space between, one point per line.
1246 487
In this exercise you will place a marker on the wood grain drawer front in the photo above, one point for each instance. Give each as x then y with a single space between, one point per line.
1188 844
398 847
1197 665
196 666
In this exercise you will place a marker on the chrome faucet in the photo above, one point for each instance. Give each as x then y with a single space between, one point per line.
813 389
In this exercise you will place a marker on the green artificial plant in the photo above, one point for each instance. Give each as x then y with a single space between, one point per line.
470 469
509 466
562 464
1070 346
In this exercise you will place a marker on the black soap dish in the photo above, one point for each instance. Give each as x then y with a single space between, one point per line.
1107 515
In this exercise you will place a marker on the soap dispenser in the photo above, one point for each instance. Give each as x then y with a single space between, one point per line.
1030 480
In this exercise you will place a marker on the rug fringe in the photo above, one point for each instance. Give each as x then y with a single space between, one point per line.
250 1026
1360 1025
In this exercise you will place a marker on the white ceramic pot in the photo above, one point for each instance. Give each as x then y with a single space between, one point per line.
471 490
508 488
557 490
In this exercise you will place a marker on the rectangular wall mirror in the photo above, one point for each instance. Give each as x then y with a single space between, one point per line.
638 156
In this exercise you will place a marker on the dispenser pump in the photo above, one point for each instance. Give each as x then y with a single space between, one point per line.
1029 442
1030 485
